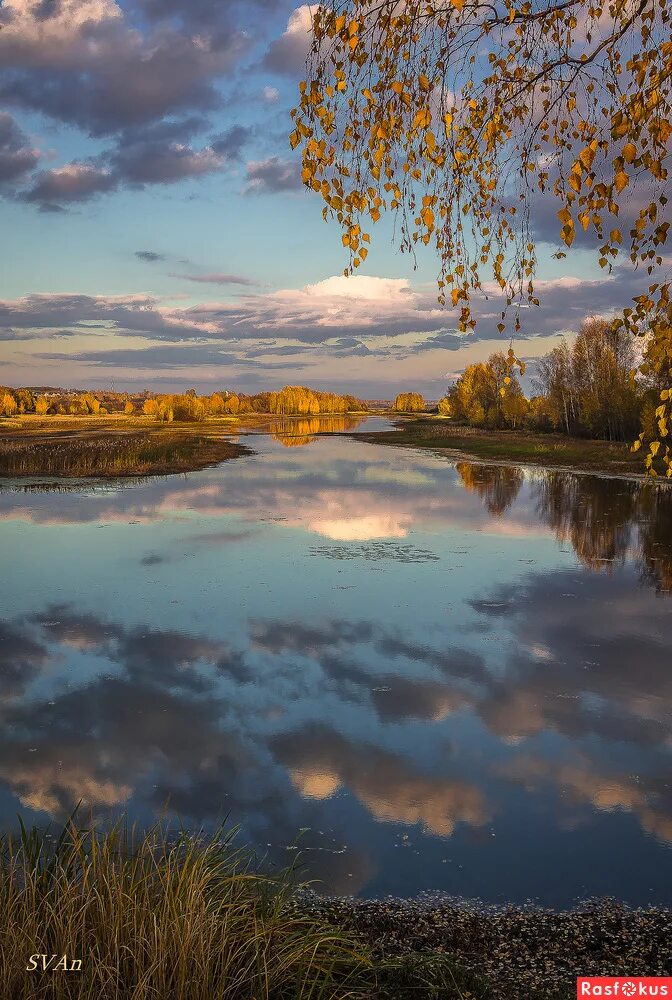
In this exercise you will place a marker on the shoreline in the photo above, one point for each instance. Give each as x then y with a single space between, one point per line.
167 449
513 951
515 449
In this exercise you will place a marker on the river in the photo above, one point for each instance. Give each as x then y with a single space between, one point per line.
423 675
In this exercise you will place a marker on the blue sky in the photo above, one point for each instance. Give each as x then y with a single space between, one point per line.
157 234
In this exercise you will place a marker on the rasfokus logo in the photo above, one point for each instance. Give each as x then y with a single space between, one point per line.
624 986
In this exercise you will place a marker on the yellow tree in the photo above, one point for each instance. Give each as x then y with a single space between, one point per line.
451 113
8 404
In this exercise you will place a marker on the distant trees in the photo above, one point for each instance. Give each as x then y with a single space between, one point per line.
590 387
183 407
409 402
298 400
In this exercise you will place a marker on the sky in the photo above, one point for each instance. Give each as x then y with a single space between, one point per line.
156 233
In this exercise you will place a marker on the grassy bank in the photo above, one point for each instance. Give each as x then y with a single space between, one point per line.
524 447
117 449
159 917
178 918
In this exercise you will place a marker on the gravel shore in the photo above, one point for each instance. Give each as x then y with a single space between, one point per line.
516 950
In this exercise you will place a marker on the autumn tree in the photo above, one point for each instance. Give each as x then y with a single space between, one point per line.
445 407
232 404
480 393
8 404
25 400
129 408
457 116
590 387
41 405
409 402
150 408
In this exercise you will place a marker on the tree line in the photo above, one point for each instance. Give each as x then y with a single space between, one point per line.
595 387
183 407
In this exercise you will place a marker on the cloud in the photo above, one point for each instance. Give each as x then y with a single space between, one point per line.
272 175
320 760
230 144
150 161
385 325
288 53
75 182
216 279
158 154
150 256
270 94
82 63
17 157
21 659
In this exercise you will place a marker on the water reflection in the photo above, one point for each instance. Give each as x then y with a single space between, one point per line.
295 432
449 677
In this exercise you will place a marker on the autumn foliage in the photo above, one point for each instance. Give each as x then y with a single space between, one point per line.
186 407
458 117
409 402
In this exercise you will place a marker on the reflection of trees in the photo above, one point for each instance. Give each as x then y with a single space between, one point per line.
595 515
497 485
656 539
293 433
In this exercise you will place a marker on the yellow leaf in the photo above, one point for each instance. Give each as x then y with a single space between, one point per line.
422 118
629 152
622 180
424 82
587 155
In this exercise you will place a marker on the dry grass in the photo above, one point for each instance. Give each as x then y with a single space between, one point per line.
525 447
166 918
161 916
112 455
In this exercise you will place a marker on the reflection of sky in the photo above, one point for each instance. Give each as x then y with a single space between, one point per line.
456 677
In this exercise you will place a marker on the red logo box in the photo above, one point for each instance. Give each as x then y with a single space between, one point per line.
624 986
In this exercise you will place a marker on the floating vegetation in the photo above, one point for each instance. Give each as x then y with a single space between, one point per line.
375 552
520 951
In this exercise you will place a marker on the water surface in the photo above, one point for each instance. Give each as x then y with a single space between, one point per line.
438 676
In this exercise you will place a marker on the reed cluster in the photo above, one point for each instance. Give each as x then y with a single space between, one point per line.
111 455
175 917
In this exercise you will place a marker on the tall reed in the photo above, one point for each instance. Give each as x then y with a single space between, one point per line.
154 916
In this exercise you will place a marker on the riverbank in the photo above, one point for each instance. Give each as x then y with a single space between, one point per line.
508 952
109 448
511 447
187 917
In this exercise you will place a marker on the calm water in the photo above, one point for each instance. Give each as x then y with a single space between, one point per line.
445 676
